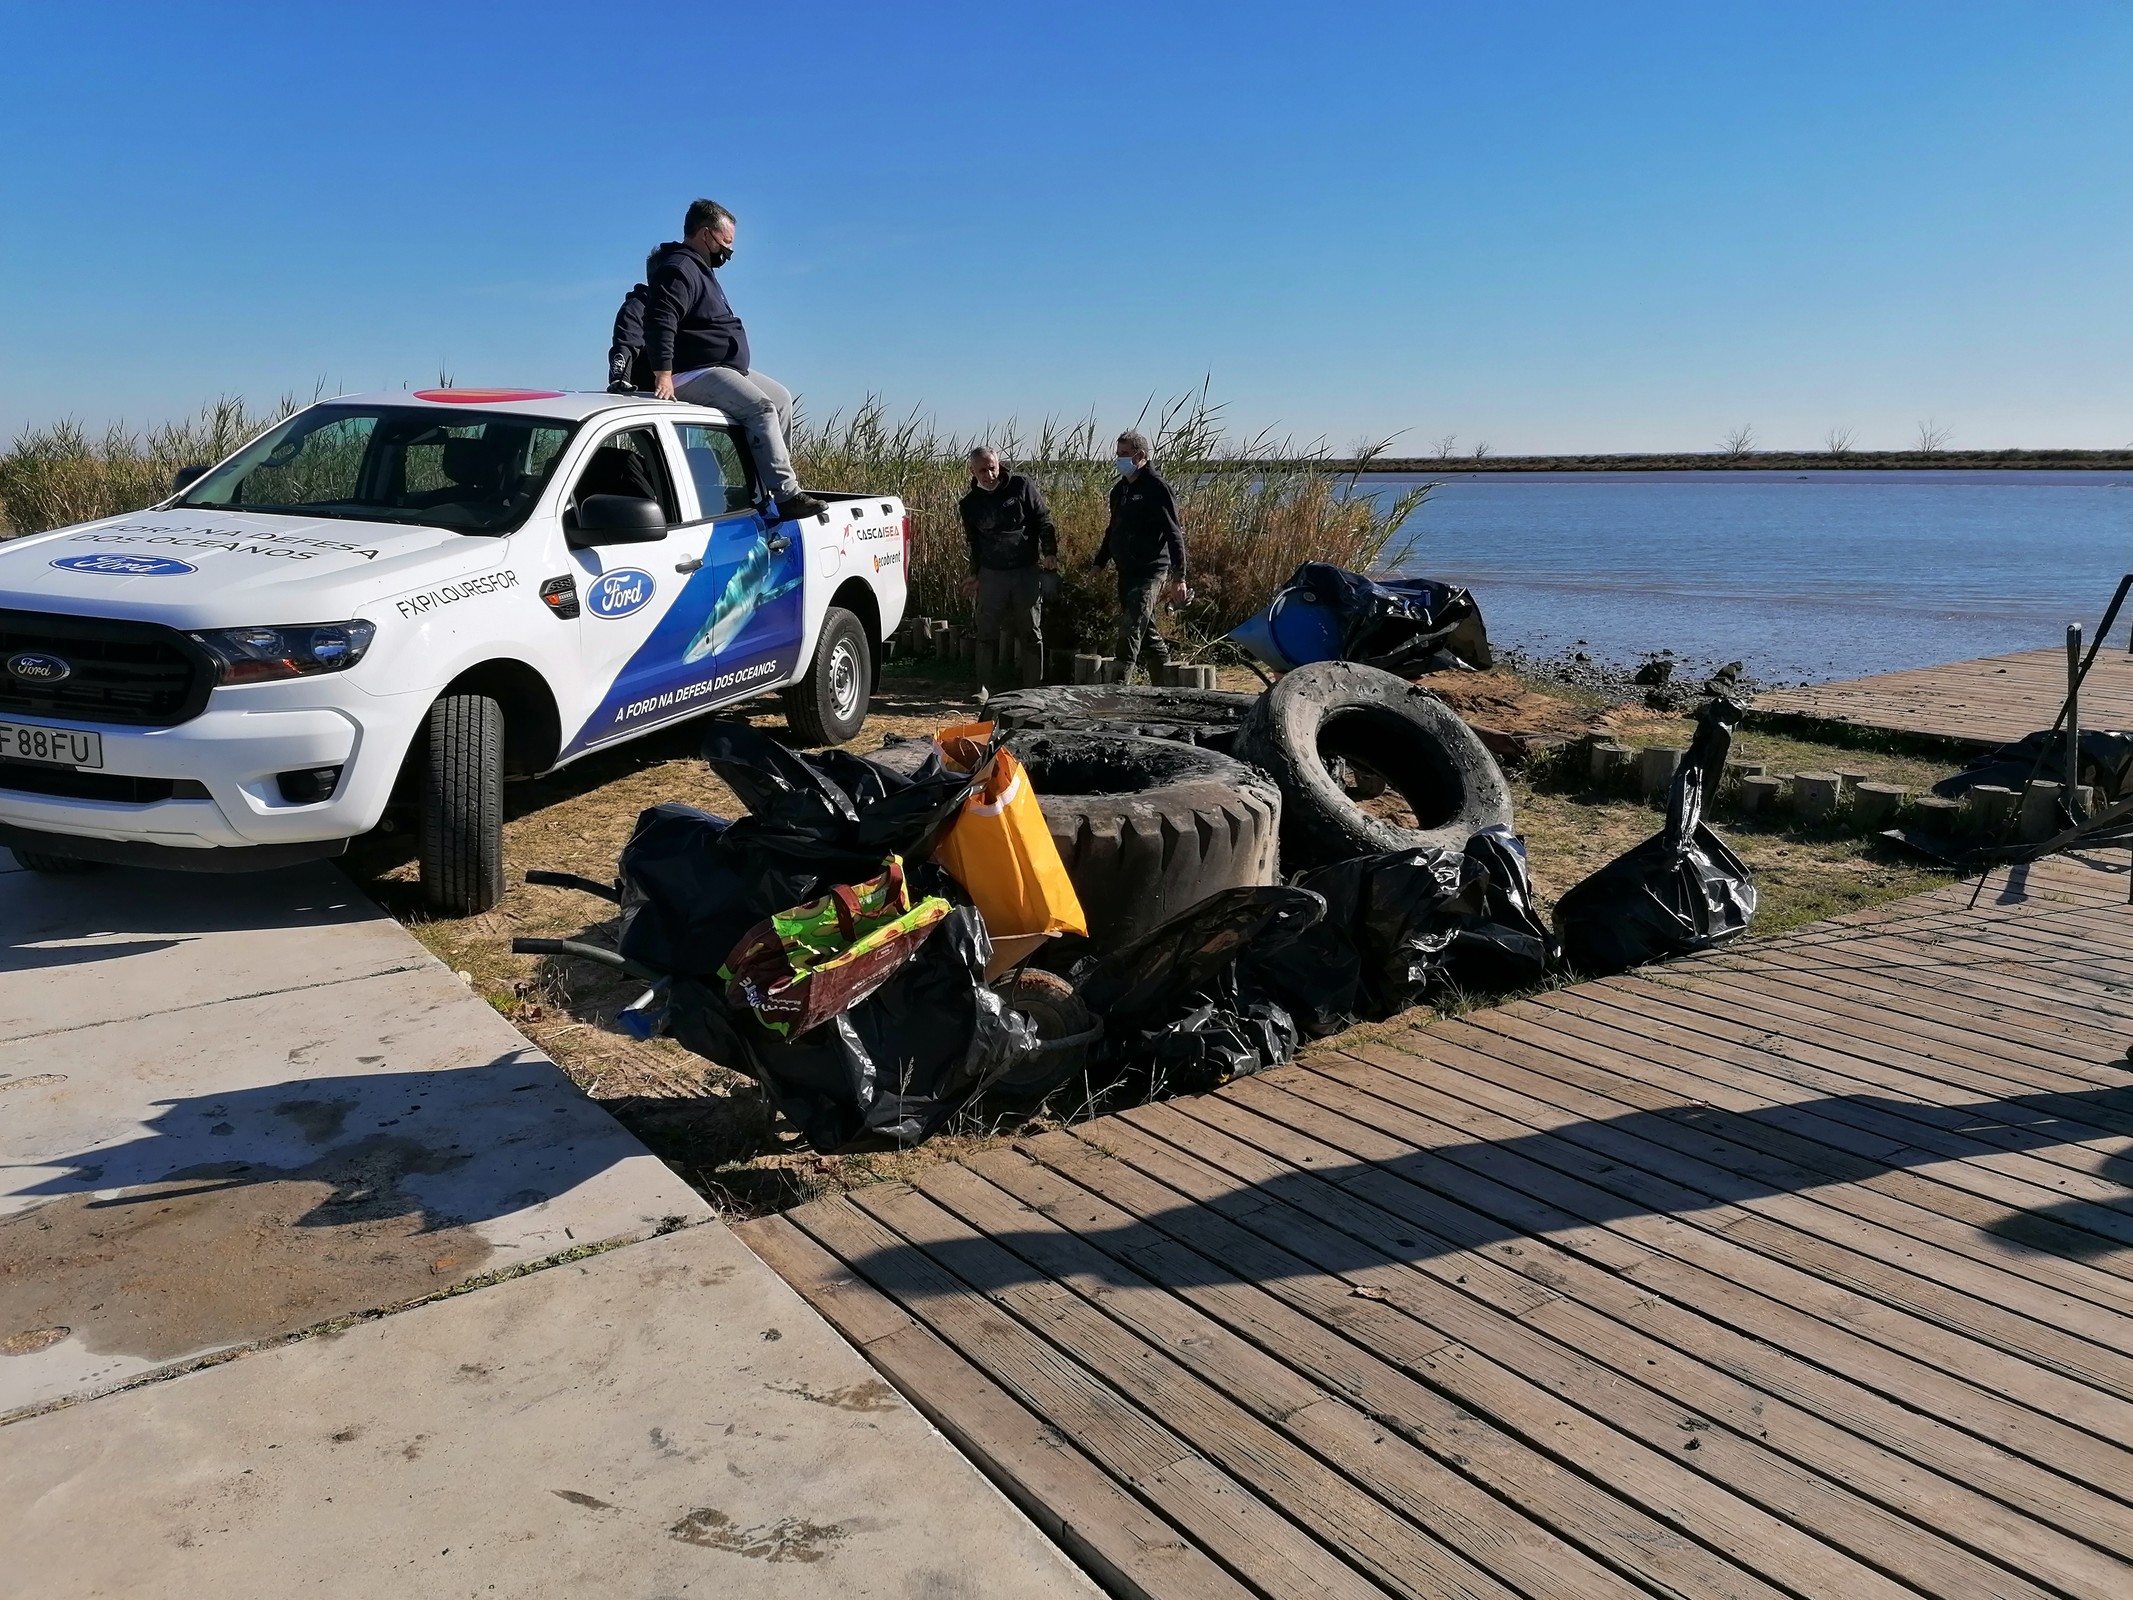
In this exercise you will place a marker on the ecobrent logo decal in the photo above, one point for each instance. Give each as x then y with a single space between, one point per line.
119 566
617 594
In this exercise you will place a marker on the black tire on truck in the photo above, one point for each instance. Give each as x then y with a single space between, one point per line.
1334 718
829 705
52 865
461 830
1210 717
1148 828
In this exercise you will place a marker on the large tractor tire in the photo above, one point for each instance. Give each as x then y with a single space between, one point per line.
1148 828
1329 733
1209 717
461 828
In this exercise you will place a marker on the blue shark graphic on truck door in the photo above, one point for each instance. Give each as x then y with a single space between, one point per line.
732 630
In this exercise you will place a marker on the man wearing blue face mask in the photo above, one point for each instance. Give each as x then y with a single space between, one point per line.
1148 543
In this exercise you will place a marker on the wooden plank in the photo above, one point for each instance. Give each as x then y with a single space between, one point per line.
1127 1549
1724 1487
1844 1243
1883 1093
1130 1271
1911 1463
1903 1358
1235 1527
1873 1168
1257 1246
2056 1372
1329 1506
1990 701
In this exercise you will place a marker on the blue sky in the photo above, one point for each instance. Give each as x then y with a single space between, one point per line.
1543 226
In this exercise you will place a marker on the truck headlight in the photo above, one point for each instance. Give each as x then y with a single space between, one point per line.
262 655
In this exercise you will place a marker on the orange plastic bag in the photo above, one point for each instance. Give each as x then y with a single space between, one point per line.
1000 850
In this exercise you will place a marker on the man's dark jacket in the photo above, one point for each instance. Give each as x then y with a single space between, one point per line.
687 323
1145 537
1008 525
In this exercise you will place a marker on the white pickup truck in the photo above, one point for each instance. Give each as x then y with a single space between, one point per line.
385 603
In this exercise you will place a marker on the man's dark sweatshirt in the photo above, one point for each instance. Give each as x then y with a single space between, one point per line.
1008 525
687 323
1145 537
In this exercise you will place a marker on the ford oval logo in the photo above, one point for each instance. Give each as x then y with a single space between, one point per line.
617 594
120 566
31 667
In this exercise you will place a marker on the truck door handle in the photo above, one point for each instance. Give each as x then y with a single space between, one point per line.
780 543
689 565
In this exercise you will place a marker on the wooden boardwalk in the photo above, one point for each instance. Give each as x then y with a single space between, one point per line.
1800 1270
1992 701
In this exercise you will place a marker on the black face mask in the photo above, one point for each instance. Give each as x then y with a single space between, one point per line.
719 255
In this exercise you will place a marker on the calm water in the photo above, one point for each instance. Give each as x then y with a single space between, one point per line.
1804 576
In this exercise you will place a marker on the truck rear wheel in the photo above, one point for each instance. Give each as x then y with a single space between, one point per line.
829 705
462 824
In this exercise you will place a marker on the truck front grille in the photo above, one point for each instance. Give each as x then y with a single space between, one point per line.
135 673
71 783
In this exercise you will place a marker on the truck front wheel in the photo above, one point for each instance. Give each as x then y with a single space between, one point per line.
829 705
55 865
462 824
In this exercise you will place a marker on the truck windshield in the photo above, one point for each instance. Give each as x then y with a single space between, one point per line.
475 473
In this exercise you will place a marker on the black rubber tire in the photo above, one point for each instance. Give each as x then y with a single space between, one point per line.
1210 717
1337 712
1148 828
829 705
1053 1009
53 866
461 827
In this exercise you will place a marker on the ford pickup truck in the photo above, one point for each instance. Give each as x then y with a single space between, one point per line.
384 604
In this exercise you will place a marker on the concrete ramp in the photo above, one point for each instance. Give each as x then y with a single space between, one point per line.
232 1108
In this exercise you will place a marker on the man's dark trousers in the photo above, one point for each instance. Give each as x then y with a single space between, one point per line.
1010 613
1137 601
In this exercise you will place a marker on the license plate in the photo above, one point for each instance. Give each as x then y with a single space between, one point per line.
58 747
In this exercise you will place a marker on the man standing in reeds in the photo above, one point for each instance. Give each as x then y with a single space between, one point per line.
1012 545
1147 541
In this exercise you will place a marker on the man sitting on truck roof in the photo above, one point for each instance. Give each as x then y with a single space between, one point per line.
698 349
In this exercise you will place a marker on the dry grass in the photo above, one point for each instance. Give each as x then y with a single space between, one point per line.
1253 509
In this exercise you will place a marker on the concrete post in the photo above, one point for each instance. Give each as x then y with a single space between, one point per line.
1604 755
1874 805
1937 815
1759 795
2040 813
1618 764
1987 808
1816 794
1655 769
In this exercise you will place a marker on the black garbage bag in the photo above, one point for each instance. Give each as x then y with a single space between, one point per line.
1227 1031
693 883
823 803
1680 891
2106 760
1177 1002
1402 922
1405 626
892 1069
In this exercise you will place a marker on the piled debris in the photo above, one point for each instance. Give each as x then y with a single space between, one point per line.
1103 884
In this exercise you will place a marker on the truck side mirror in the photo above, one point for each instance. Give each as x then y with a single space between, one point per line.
619 519
185 477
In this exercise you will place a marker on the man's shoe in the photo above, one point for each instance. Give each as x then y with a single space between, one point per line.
798 507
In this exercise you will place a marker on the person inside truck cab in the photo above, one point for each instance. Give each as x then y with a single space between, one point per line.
698 350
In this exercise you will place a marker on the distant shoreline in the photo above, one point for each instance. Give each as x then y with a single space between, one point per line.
1764 461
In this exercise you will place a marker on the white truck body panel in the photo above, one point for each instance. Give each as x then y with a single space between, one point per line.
720 608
